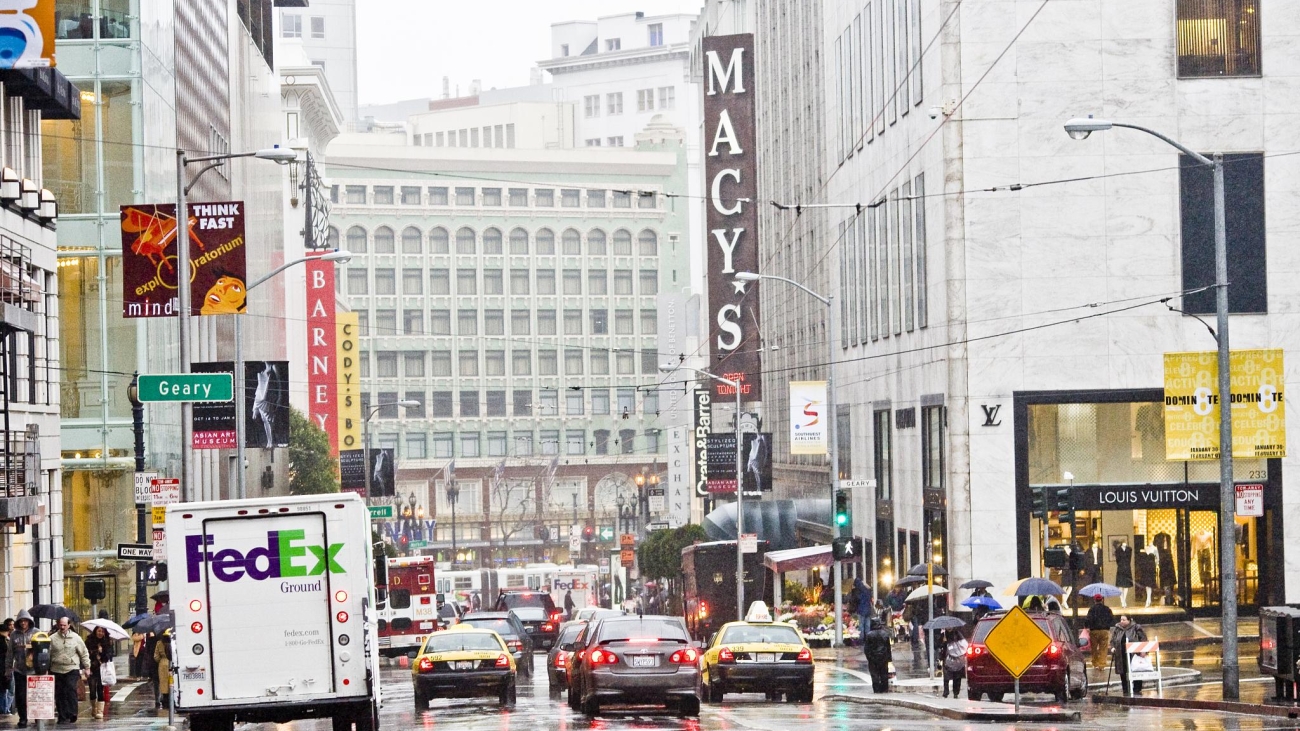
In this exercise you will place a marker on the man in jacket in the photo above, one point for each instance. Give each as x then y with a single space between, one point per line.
19 640
1123 633
1099 621
879 651
69 663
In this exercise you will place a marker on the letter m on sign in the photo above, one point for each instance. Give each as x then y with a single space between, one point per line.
733 73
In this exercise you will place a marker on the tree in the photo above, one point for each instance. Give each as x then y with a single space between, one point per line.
312 471
660 556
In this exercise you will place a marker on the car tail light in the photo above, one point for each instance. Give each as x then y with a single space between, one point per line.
975 651
425 665
503 661
555 616
1053 650
603 657
685 657
561 659
548 627
582 654
805 655
515 645
726 655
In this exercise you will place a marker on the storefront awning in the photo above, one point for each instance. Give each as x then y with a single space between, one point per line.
798 559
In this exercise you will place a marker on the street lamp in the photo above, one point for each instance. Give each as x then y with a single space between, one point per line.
277 154
740 491
831 436
341 257
1079 129
453 494
365 436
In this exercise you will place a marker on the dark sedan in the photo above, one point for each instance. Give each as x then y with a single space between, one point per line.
536 610
557 660
511 630
635 661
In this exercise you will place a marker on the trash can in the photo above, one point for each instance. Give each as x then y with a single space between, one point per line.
1279 648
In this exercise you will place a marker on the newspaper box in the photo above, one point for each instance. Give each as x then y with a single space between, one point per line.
1144 664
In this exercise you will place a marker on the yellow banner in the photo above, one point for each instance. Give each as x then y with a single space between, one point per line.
349 375
1192 405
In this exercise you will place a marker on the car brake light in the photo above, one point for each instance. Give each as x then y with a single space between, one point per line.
642 640
726 655
582 654
548 627
561 659
805 655
1053 650
555 616
425 665
503 661
603 657
685 657
974 650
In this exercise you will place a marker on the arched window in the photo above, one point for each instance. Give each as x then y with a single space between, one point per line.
622 242
546 242
492 241
384 240
518 241
438 241
332 238
357 240
648 242
571 242
596 242
465 241
412 242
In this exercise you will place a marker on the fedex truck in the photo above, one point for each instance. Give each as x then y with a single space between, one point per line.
275 611
583 581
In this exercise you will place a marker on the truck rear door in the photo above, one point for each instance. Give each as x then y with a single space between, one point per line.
268 588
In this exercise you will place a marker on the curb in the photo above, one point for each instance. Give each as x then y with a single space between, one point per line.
1245 709
898 701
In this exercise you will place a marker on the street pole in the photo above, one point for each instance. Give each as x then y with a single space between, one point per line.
365 449
1227 493
740 510
183 319
141 510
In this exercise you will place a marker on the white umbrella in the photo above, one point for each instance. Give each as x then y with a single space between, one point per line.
922 592
114 629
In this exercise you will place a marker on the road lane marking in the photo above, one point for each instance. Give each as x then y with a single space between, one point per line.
123 691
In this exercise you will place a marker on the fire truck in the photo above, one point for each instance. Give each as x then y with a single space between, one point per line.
408 609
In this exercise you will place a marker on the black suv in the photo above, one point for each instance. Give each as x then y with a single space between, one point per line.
512 631
536 610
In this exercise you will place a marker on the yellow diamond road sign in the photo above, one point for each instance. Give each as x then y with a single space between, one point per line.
1016 641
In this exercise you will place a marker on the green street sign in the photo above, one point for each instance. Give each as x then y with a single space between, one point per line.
606 533
419 544
187 387
381 512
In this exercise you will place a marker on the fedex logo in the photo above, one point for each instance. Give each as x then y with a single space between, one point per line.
286 554
576 584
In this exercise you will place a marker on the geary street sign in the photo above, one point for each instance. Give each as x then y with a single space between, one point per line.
187 387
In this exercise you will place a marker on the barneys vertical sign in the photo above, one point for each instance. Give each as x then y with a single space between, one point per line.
322 349
731 172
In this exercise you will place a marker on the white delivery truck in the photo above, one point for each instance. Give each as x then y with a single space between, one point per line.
274 602
583 581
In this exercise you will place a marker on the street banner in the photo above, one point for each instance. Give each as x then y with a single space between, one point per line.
1191 409
731 212
322 349
701 427
218 271
755 460
266 404
352 470
808 417
214 421
30 42
349 379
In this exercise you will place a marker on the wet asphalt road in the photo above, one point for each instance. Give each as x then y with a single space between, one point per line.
535 711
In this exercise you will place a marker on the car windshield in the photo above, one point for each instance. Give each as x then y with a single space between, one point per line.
772 633
500 626
453 641
986 625
622 630
524 599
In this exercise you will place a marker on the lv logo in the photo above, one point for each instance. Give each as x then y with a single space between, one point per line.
991 415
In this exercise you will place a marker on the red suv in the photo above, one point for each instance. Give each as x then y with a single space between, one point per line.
1061 670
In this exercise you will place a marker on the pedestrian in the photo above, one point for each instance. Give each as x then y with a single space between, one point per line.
880 653
569 605
100 647
1035 604
1123 633
19 645
1099 621
69 663
162 656
954 662
861 604
6 670
475 603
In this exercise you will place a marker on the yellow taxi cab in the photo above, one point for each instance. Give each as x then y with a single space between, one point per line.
758 655
463 662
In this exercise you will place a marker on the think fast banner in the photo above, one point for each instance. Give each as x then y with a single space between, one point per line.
1192 405
217 266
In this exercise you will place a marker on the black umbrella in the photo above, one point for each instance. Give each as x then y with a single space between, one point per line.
154 623
137 619
53 612
907 580
922 569
161 596
944 622
976 584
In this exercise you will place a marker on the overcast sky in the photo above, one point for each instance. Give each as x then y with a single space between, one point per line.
405 47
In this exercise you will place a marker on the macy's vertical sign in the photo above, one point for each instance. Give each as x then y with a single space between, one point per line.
322 349
731 213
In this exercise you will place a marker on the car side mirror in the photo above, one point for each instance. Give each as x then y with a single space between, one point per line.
567 647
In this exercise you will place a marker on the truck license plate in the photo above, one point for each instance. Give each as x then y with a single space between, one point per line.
767 657
645 661
463 665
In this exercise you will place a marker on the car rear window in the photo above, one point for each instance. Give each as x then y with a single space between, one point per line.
986 625
569 634
500 626
525 599
784 635
616 630
453 641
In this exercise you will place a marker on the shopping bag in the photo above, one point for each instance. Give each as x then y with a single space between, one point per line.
108 673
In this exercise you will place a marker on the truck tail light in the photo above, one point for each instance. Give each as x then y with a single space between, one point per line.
805 656
196 605
503 661
425 665
196 627
726 655
340 596
341 617
685 657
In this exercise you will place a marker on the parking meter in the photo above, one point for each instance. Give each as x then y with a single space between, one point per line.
40 649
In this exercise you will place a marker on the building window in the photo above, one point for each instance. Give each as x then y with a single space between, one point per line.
440 322
595 198
494 322
441 141
600 400
652 441
546 282
573 281
438 194
932 462
649 282
922 260
439 281
469 445
441 404
546 242
469 403
467 322
627 441
622 318
625 363
468 363
622 242
523 403
386 365
412 281
649 366
601 438
385 322
883 445
649 322
440 364
656 34
596 243
591 105
491 196
1218 38
598 358
623 282
646 200
416 446
492 282
518 197
597 282
622 198
520 322
1243 177
591 142
651 404
519 281
384 240
317 26
546 322
647 243
389 410
548 402
521 363
496 444
574 405
494 363
384 195
518 242
614 103
613 44
356 281
291 26
645 100
442 445
466 282
413 323
523 444
464 196
571 243
355 194
548 363
412 241
357 240
549 441
626 401
385 281
544 198
573 322
473 137
465 241
572 362
413 364
411 194
570 198
667 97
439 241
564 49
492 241
575 441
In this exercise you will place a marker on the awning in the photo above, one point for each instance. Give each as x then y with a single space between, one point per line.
798 559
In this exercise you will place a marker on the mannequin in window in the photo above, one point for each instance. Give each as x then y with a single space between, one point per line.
1145 565
1123 571
1203 549
1069 574
1165 559
1092 564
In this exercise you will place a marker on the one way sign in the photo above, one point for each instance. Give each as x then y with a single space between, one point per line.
135 551
847 548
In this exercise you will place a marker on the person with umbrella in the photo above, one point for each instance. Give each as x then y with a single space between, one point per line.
20 641
861 604
69 663
954 662
1123 633
880 652
100 646
1099 621
162 656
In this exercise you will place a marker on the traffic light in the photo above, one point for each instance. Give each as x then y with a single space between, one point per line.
1037 503
847 548
842 520
94 590
1060 498
589 533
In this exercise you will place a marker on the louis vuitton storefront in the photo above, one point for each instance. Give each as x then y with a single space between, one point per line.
1131 518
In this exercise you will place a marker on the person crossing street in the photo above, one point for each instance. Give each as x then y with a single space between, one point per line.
879 649
69 663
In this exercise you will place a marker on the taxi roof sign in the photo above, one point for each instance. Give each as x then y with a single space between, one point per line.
758 612
1016 641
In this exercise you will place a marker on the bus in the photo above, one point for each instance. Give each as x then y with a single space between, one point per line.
409 611
535 576
459 586
709 584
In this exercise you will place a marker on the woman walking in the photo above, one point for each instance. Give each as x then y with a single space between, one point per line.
954 662
100 647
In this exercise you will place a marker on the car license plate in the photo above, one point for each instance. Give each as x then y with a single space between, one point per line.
645 661
767 657
531 629
463 664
